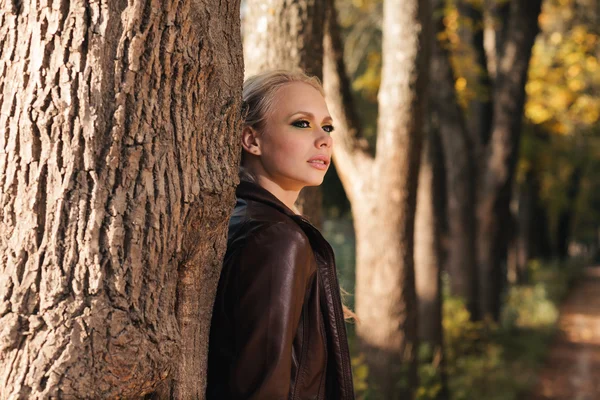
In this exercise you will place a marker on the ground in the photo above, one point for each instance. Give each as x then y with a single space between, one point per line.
572 369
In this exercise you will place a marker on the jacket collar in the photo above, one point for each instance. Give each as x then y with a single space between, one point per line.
252 191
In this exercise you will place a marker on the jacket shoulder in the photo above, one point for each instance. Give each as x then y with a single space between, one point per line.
254 221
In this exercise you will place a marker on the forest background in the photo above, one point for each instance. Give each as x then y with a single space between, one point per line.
464 199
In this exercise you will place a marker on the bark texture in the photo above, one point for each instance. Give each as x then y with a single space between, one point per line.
382 190
287 34
502 151
117 174
460 167
284 34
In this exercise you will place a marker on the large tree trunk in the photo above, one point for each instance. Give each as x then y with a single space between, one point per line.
382 191
117 174
496 183
428 255
287 34
460 171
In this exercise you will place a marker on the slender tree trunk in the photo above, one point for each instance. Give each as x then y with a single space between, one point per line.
542 246
524 233
428 255
496 183
382 191
565 217
480 108
117 174
499 13
460 171
287 34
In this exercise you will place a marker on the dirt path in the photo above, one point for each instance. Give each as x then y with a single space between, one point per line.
572 370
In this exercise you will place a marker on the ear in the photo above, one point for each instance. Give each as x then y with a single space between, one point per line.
251 141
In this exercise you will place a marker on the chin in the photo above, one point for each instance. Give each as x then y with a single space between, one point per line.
315 182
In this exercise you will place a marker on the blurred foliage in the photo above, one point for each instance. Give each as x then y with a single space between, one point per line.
483 360
563 109
564 77
339 233
562 133
555 159
561 136
489 361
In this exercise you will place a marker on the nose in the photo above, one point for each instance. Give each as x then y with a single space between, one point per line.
324 140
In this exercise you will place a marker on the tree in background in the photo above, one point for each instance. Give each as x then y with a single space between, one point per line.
118 163
501 152
283 34
381 186
429 258
563 141
493 102
460 168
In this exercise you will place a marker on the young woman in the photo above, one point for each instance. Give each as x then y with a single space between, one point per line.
278 322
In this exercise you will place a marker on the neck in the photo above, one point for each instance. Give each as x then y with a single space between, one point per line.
286 196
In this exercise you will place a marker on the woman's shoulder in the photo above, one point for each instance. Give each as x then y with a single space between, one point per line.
256 225
276 233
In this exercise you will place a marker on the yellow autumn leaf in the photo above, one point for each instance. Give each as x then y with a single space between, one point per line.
561 99
576 85
591 64
574 70
578 34
537 113
534 87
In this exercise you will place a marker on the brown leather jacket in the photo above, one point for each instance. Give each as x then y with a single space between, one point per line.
277 328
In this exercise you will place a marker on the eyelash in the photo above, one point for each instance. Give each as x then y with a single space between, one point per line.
297 124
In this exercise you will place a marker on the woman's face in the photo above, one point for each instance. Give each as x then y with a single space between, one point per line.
295 144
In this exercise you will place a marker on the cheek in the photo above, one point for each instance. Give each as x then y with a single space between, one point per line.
290 148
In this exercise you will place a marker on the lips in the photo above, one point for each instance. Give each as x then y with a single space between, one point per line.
319 162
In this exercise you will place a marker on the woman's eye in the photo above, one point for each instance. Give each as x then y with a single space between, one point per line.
301 124
328 128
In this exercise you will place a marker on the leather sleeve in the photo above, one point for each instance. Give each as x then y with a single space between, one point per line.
271 281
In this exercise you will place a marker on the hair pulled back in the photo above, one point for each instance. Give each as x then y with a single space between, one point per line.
258 97
259 93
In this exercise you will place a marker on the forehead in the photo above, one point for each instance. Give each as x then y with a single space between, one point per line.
299 96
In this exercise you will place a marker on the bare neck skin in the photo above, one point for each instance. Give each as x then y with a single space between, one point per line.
287 196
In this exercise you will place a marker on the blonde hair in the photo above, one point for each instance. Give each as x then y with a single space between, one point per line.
260 89
258 97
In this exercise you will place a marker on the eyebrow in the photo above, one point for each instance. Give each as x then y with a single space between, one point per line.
311 115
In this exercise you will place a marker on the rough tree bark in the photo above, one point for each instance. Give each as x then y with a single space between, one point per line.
460 167
118 162
501 153
287 34
382 190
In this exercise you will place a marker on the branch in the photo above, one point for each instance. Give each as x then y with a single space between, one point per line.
351 151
